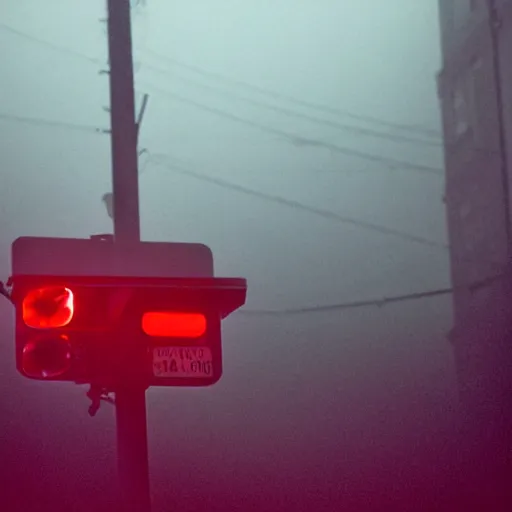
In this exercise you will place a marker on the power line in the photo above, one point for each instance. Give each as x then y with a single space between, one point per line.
350 128
59 48
299 140
53 123
181 167
384 301
277 199
326 214
294 113
348 305
293 138
362 131
308 104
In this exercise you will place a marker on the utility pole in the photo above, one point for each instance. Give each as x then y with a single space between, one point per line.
494 26
132 444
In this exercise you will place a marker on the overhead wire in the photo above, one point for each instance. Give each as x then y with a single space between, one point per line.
298 139
50 122
325 214
355 129
185 168
44 121
178 167
167 161
290 137
49 44
349 128
299 115
374 302
304 103
277 199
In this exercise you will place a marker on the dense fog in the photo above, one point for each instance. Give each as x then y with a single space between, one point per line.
301 141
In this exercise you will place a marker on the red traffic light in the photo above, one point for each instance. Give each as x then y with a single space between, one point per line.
48 307
172 324
85 328
46 358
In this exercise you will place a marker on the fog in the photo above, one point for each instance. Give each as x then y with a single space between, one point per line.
346 409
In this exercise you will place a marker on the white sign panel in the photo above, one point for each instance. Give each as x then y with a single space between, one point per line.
86 257
175 362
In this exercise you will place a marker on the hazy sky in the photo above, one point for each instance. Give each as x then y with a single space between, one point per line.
304 399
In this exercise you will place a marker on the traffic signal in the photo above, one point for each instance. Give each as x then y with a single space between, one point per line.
107 330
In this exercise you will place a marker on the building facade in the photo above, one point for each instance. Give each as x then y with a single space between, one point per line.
475 94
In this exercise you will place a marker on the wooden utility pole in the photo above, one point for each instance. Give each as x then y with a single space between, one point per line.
132 444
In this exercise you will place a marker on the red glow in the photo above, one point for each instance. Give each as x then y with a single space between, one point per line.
47 357
174 324
51 306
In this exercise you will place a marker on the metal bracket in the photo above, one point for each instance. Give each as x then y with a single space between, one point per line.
97 394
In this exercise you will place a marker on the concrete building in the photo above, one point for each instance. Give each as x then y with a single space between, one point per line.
475 92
